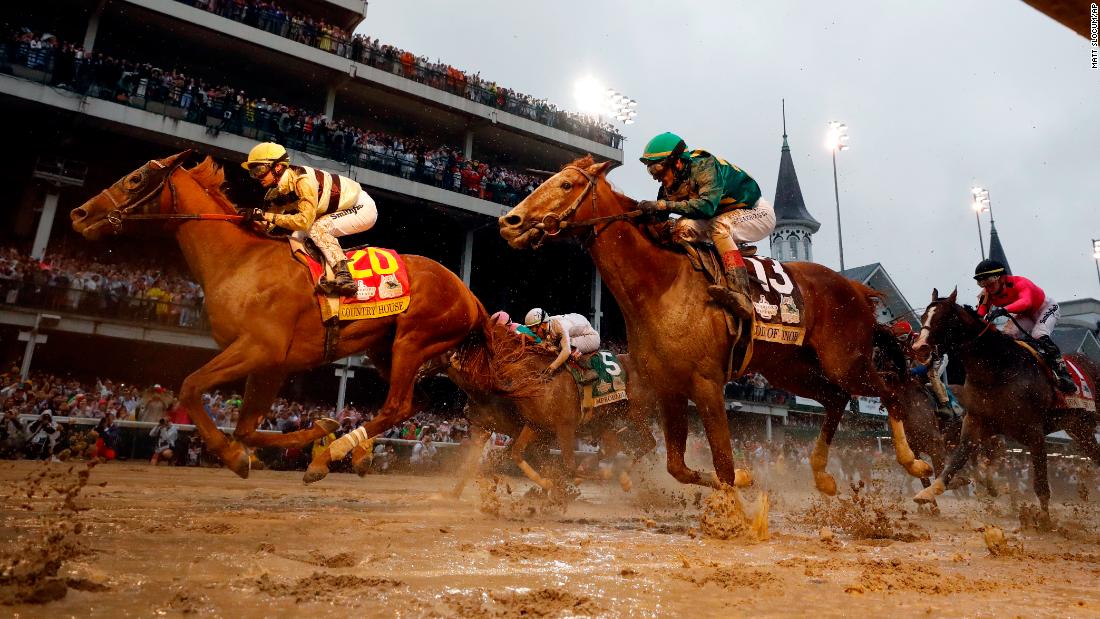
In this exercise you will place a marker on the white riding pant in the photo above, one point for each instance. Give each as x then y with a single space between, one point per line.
587 343
742 225
1042 324
328 228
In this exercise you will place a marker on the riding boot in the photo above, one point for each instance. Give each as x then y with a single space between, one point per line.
1053 356
342 283
735 294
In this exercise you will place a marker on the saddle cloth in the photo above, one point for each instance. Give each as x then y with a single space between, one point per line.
601 379
1085 396
381 277
777 299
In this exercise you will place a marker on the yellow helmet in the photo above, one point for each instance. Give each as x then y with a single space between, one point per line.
267 153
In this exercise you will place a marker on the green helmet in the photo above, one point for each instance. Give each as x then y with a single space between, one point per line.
662 147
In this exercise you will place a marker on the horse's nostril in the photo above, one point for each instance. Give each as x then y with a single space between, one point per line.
511 220
79 213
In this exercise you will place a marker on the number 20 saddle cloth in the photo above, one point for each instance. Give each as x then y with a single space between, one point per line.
381 278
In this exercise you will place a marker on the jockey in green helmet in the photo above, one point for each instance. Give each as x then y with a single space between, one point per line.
715 198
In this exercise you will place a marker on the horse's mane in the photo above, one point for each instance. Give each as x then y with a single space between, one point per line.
497 360
210 176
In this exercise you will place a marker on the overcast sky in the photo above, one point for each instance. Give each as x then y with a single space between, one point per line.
938 97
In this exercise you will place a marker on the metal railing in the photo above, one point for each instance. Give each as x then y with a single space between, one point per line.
387 58
104 304
249 119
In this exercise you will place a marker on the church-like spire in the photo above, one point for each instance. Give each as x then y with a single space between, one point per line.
996 251
789 206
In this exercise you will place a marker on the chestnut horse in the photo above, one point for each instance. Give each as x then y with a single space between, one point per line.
555 409
679 338
1006 392
263 311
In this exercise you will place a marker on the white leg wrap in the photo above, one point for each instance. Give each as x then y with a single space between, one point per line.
341 446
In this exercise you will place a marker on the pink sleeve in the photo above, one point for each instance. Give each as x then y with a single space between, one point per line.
1027 300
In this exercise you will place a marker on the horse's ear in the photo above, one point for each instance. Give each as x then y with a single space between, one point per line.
601 168
176 159
953 295
935 293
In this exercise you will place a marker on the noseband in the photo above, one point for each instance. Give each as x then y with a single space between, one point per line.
553 224
127 210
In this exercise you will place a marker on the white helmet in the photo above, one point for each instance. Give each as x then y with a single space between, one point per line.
535 317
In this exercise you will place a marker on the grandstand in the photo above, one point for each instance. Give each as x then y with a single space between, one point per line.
93 88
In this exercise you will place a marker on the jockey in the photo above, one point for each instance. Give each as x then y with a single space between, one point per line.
1004 295
714 197
321 204
572 333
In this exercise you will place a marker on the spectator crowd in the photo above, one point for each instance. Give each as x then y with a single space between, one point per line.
113 286
269 16
231 109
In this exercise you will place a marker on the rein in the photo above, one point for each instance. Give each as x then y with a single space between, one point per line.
123 212
553 224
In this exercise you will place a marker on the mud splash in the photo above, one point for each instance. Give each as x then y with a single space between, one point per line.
867 513
29 571
723 516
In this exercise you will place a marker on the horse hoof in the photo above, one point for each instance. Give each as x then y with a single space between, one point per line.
315 473
928 495
327 424
742 478
236 459
919 468
825 483
624 482
361 467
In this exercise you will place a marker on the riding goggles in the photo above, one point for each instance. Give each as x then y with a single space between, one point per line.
259 170
656 170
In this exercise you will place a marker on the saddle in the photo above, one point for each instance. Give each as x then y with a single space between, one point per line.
700 250
1085 396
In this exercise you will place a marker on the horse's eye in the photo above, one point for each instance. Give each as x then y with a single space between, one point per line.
134 180
566 185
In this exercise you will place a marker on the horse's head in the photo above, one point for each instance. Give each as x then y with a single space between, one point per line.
566 197
941 326
134 193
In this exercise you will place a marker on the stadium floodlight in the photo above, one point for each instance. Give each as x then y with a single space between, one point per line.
836 139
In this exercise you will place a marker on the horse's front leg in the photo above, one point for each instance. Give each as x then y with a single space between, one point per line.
237 360
971 437
895 416
259 392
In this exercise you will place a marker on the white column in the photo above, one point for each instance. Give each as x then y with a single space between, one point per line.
597 299
330 102
467 257
768 426
45 225
93 26
468 149
345 372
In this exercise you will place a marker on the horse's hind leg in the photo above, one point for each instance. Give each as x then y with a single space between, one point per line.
518 451
409 354
1039 474
1081 431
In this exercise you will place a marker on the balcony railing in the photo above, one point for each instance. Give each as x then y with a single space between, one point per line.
251 120
104 304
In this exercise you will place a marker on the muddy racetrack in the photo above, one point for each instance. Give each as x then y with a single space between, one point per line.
172 541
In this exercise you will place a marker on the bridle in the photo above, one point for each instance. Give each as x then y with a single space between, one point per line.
553 224
935 348
129 210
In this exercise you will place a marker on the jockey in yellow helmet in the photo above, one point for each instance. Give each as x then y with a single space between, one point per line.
320 204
